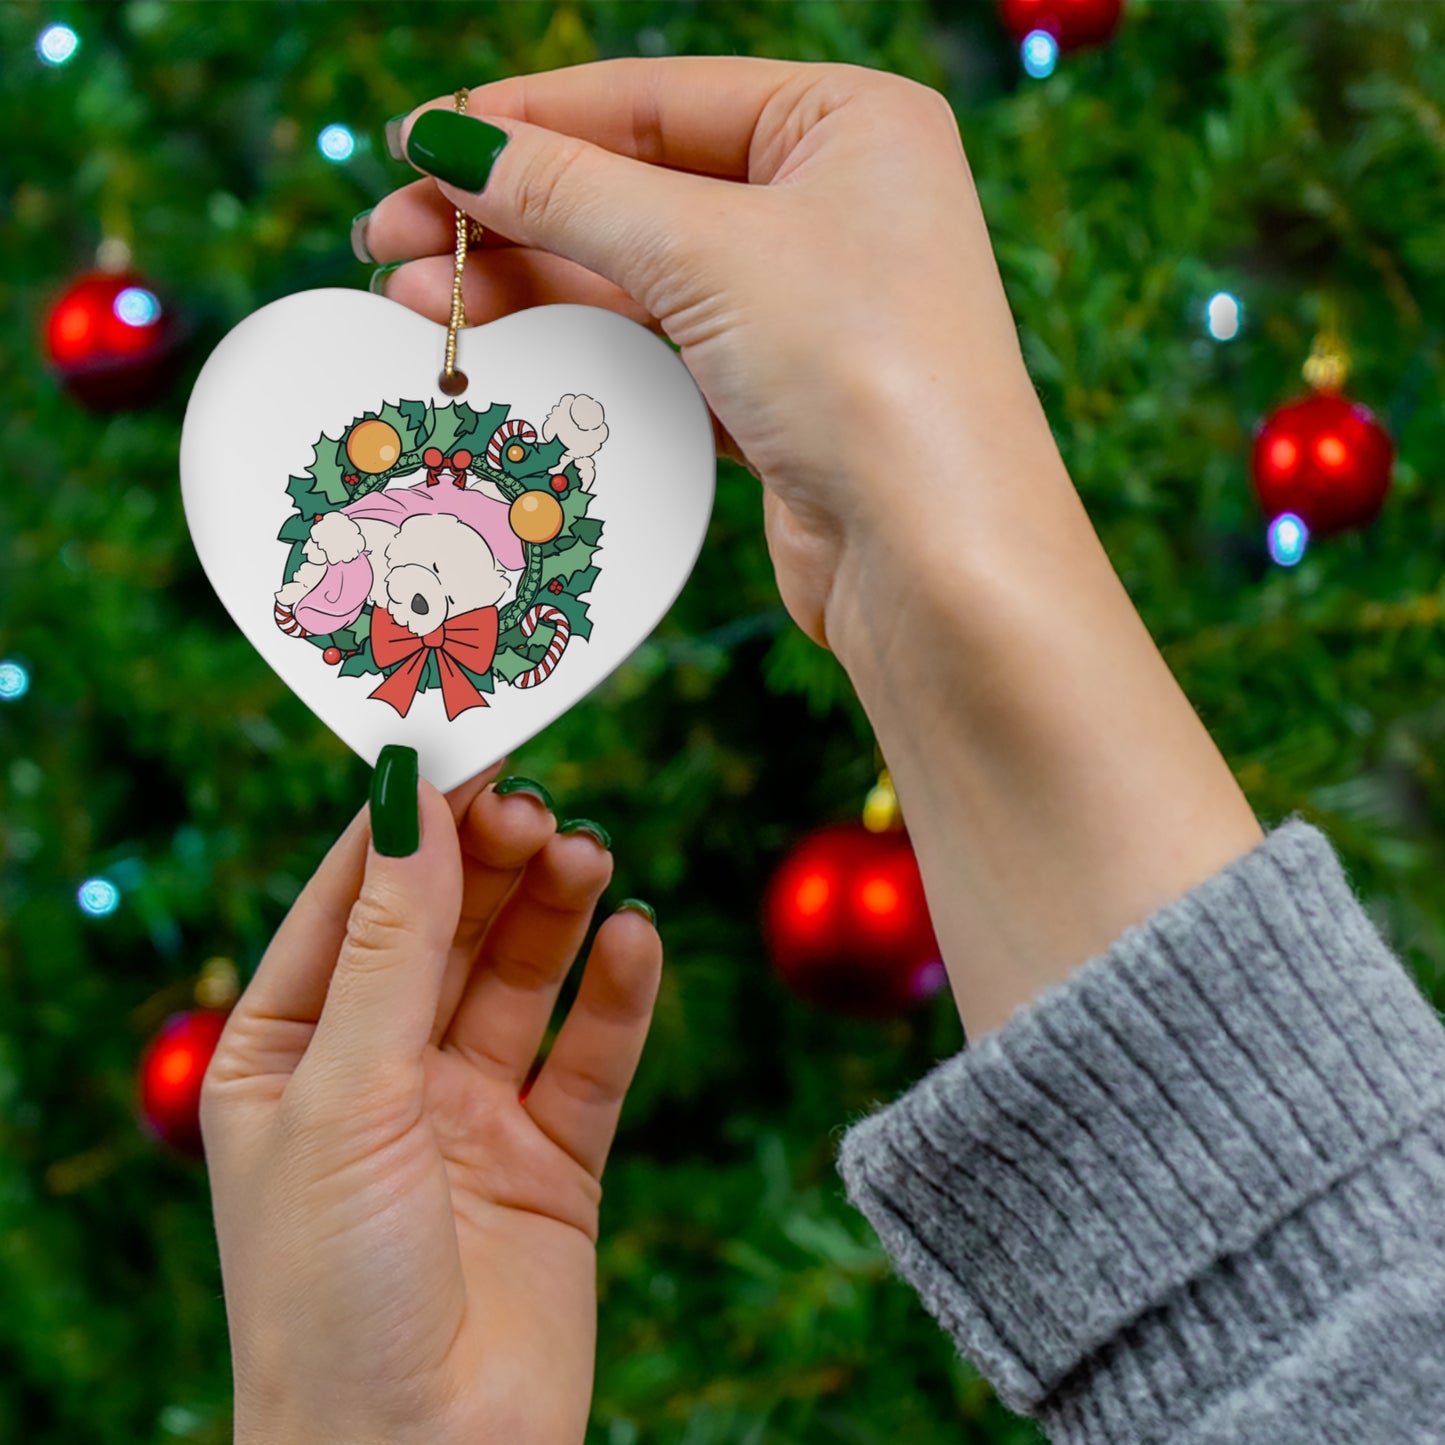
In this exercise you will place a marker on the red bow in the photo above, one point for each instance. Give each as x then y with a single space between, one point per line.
469 640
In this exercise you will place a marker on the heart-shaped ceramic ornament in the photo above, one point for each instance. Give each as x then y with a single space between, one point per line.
450 573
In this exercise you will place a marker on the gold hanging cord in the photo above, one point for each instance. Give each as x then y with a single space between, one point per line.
452 381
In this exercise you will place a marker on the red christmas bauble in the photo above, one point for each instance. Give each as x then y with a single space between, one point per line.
1073 23
847 923
331 656
559 483
171 1071
112 342
1326 459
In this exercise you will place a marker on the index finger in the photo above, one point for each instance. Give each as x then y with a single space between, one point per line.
696 113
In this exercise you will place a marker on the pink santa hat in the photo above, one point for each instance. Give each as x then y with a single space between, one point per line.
337 599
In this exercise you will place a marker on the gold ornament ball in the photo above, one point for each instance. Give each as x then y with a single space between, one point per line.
536 516
373 446
516 452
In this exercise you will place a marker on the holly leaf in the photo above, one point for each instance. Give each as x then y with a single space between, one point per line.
510 664
360 665
294 529
481 680
344 638
582 581
562 565
322 490
588 530
540 458
418 418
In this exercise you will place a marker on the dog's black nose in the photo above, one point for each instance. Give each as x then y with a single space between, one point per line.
419 605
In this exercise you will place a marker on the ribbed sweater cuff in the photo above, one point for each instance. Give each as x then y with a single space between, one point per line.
1128 1157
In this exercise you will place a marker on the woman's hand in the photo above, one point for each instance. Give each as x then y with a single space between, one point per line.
810 237
841 311
407 1247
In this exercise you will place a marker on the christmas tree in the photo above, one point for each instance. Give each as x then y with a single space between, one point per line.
1180 214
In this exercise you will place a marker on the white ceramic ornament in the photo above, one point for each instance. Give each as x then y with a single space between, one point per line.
450 573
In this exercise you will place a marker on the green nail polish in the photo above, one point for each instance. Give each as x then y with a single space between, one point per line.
359 248
526 785
455 148
395 814
636 905
393 136
377 284
586 825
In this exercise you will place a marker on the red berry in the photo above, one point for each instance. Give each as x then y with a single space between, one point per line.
431 457
461 461
559 483
351 479
332 656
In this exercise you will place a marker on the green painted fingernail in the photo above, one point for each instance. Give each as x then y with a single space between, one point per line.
586 825
377 284
526 785
395 814
359 248
636 905
393 136
455 148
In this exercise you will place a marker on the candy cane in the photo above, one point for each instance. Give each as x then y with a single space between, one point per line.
504 434
562 630
286 621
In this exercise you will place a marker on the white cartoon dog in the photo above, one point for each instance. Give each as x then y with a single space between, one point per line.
423 555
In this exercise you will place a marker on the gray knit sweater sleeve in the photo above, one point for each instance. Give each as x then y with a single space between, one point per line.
1196 1192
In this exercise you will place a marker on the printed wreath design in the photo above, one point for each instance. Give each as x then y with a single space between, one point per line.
414 557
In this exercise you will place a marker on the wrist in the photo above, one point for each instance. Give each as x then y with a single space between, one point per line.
1057 784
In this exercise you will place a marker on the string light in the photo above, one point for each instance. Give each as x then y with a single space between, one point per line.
1040 53
1288 538
14 681
336 143
1223 316
98 897
137 307
57 44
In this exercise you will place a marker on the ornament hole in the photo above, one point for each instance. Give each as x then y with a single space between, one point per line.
454 384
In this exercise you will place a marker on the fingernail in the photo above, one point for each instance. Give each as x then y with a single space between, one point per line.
393 137
377 284
636 905
359 248
395 815
526 785
586 825
455 148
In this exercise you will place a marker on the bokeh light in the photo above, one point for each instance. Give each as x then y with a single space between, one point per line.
336 143
1223 316
1040 52
14 681
98 897
1288 538
137 307
57 44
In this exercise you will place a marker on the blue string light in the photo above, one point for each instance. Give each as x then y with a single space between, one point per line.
336 143
1040 53
137 307
98 897
1288 538
57 44
14 681
1223 316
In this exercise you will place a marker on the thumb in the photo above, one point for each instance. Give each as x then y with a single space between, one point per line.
623 219
382 1000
